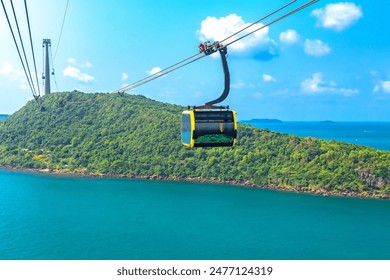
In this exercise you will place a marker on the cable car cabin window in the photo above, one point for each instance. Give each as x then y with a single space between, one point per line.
209 128
186 130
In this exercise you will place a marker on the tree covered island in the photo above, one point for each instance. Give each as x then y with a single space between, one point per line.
132 136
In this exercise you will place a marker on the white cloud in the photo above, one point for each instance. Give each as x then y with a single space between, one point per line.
346 91
154 70
382 85
15 75
386 86
268 78
213 29
338 16
6 69
86 64
75 73
316 48
238 85
289 37
312 85
124 76
317 84
281 92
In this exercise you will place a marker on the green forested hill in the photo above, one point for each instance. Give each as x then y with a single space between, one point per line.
135 136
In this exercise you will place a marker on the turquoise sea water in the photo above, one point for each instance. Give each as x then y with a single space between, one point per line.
57 217
373 134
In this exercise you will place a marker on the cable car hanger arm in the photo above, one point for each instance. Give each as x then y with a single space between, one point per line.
225 93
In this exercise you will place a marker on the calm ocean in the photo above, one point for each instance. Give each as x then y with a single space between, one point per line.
61 217
372 134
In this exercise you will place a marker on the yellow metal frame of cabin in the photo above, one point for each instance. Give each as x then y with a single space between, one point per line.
235 125
192 119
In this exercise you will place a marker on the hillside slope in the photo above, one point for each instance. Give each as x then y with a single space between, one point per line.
134 136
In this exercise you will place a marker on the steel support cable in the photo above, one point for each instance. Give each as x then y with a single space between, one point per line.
58 44
62 28
32 47
158 74
53 72
257 21
43 66
17 48
161 72
276 20
24 50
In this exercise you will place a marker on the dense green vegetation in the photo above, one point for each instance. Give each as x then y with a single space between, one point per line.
134 136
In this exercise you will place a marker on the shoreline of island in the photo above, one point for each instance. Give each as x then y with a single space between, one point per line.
243 183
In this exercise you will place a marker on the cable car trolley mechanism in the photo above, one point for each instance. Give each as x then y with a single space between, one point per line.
210 125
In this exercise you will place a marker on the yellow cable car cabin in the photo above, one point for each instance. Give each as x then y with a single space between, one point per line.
209 128
209 125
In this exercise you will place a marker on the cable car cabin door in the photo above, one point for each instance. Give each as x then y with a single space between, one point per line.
209 128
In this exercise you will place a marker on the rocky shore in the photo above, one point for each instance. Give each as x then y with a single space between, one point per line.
244 183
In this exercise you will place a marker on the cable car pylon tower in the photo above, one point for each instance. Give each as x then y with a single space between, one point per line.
46 74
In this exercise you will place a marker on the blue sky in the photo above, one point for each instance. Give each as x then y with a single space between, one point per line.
330 61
